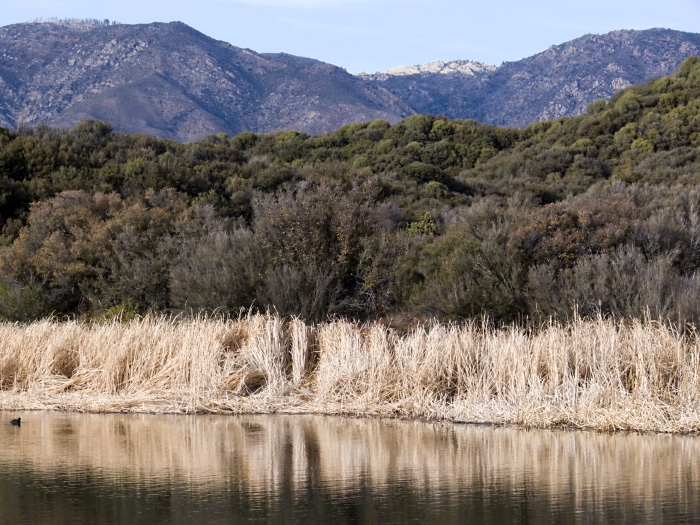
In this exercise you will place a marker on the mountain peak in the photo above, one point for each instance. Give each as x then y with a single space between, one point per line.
170 80
560 81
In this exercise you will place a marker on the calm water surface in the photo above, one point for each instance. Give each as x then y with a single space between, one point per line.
84 469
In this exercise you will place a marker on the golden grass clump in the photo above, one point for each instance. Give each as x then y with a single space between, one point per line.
598 374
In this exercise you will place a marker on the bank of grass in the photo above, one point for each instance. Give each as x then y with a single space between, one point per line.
600 374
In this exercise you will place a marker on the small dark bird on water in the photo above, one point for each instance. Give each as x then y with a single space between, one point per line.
17 421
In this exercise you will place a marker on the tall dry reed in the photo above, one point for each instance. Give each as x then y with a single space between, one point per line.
590 374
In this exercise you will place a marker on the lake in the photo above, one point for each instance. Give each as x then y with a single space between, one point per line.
123 468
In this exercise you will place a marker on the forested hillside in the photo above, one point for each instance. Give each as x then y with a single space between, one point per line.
429 217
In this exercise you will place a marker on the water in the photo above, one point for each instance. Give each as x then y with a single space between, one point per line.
112 468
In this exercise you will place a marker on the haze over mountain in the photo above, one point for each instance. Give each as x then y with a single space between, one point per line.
172 81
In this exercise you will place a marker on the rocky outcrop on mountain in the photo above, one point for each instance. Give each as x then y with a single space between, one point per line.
460 67
560 81
172 81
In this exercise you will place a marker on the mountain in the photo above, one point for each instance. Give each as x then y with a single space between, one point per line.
560 81
172 81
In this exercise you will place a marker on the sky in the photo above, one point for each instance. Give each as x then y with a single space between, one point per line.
376 35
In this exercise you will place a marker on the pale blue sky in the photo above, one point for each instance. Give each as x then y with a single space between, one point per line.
375 35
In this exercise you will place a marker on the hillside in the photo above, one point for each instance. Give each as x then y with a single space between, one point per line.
560 81
174 82
171 81
427 218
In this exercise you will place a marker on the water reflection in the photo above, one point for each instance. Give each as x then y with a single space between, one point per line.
86 468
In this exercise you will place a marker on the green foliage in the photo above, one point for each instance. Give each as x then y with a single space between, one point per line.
423 226
595 108
472 270
122 312
421 172
448 218
23 302
690 68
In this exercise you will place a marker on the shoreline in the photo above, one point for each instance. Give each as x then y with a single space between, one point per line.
596 375
563 427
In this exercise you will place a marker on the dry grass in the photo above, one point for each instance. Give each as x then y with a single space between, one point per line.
589 374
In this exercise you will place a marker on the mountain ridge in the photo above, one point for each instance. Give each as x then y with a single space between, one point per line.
169 80
172 81
560 81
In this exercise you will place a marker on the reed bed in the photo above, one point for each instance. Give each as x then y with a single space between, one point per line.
598 374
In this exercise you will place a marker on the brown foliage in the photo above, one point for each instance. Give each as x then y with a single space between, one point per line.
564 231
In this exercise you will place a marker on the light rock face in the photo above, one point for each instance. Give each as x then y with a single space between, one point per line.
458 67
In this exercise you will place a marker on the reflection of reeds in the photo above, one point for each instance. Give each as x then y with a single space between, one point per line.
263 454
596 374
